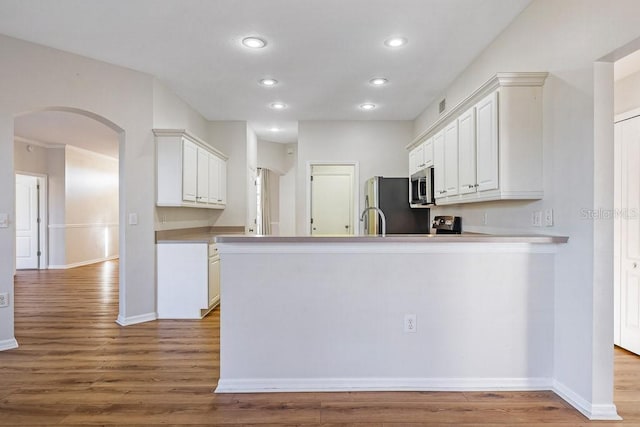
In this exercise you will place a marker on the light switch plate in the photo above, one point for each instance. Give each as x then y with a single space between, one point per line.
4 220
133 219
536 219
548 217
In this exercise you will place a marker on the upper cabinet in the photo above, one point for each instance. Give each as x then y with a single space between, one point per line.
189 172
489 146
421 157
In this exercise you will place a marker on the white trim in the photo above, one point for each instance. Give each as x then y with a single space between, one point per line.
81 263
278 385
356 192
133 320
94 225
525 79
368 247
591 411
8 344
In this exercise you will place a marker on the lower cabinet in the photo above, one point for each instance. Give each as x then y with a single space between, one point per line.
188 276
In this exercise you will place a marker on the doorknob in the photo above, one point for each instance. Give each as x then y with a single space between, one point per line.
346 226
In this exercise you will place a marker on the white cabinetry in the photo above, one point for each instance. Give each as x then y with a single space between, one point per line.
421 157
439 187
487 143
467 151
497 153
214 277
189 172
416 159
189 169
451 159
188 280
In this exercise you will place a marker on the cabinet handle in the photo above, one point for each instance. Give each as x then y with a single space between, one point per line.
471 186
477 185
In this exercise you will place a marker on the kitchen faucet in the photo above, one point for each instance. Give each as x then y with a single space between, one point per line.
384 220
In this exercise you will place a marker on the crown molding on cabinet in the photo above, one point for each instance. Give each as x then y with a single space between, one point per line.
503 79
186 133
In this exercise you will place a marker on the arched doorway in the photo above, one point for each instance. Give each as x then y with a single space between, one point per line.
80 155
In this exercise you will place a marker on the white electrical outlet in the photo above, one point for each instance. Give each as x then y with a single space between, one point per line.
4 299
485 219
536 219
548 217
410 323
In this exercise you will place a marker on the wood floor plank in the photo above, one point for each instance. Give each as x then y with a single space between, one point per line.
76 366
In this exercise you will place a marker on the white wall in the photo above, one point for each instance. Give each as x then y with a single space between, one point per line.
230 137
627 93
91 207
171 112
563 38
378 146
272 156
34 77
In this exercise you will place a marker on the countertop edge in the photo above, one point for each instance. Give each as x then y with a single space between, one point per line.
427 239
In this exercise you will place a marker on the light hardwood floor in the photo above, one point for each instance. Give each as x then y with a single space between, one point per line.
75 365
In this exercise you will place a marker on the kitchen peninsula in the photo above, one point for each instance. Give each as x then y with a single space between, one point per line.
429 312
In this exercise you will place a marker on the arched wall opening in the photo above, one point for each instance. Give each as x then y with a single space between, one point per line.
81 153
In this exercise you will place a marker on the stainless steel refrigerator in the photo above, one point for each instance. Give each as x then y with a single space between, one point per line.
391 196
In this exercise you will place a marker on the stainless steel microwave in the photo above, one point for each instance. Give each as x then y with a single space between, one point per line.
421 188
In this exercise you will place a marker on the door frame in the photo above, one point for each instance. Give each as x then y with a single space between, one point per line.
356 192
43 227
618 237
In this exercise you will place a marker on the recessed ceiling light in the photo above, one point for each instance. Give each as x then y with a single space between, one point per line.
274 129
395 41
268 82
278 105
378 81
254 42
367 106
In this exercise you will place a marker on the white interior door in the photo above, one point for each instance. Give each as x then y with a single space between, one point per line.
332 200
27 238
629 133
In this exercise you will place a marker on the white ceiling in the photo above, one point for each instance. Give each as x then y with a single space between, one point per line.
322 52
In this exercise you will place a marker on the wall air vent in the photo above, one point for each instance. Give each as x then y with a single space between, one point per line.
442 106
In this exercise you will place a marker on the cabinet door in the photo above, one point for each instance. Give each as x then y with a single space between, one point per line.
222 181
416 159
214 280
428 153
202 188
451 158
214 178
467 152
487 143
439 166
189 170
